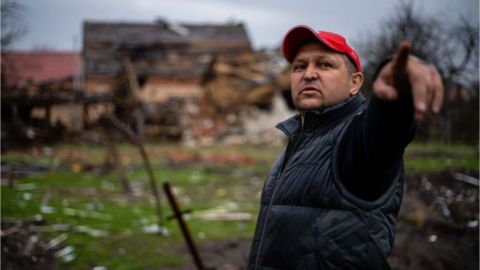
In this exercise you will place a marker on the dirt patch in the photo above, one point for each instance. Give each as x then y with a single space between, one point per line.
437 224
437 229
220 255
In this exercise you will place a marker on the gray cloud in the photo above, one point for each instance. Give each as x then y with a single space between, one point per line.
55 23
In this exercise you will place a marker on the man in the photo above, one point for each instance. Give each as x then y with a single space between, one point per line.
331 199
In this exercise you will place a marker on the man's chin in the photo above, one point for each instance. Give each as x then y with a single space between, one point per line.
308 106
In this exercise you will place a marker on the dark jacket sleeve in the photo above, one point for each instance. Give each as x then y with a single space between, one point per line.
373 146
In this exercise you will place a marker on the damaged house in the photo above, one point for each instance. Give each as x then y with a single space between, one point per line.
195 83
187 81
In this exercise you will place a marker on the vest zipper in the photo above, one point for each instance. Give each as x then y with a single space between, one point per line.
288 156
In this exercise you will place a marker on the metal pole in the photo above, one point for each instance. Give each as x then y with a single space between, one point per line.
183 226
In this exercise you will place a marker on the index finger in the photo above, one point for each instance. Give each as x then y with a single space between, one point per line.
399 65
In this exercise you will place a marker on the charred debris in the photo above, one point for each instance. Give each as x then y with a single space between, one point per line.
189 83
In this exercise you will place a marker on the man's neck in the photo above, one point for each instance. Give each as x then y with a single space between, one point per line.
322 109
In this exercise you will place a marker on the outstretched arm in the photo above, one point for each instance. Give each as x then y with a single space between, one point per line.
408 75
406 89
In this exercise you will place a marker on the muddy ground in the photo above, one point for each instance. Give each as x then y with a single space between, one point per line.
437 229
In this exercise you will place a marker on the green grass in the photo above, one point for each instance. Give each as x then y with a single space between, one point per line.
68 188
201 185
439 157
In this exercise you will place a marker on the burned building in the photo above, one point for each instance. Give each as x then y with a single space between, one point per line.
161 65
164 56
190 81
165 80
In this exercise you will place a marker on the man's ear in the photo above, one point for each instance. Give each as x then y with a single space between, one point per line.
356 83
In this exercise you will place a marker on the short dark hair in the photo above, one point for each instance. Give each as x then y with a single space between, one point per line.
351 68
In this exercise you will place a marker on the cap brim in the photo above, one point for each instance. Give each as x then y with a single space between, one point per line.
295 38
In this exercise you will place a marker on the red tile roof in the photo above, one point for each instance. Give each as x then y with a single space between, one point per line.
36 67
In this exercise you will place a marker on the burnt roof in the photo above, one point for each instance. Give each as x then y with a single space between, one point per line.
158 43
145 34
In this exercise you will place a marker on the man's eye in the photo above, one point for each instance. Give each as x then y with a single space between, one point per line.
324 65
298 67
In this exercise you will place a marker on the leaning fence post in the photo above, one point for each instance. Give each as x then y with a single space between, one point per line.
183 226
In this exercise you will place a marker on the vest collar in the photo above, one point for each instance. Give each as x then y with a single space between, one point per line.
314 118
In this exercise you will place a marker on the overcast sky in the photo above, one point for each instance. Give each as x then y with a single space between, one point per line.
57 24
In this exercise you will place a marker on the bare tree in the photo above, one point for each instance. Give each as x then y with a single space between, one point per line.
452 48
12 21
462 45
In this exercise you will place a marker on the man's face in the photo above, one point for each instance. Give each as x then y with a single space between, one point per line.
319 78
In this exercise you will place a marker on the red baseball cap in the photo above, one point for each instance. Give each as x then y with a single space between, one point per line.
301 34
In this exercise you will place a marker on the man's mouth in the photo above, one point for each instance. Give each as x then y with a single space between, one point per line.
309 90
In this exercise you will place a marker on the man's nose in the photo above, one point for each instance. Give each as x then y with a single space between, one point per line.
310 73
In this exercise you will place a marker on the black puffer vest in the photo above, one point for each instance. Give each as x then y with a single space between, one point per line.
307 219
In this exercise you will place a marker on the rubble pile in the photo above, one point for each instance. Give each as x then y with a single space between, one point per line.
22 247
437 228
247 79
438 223
239 90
